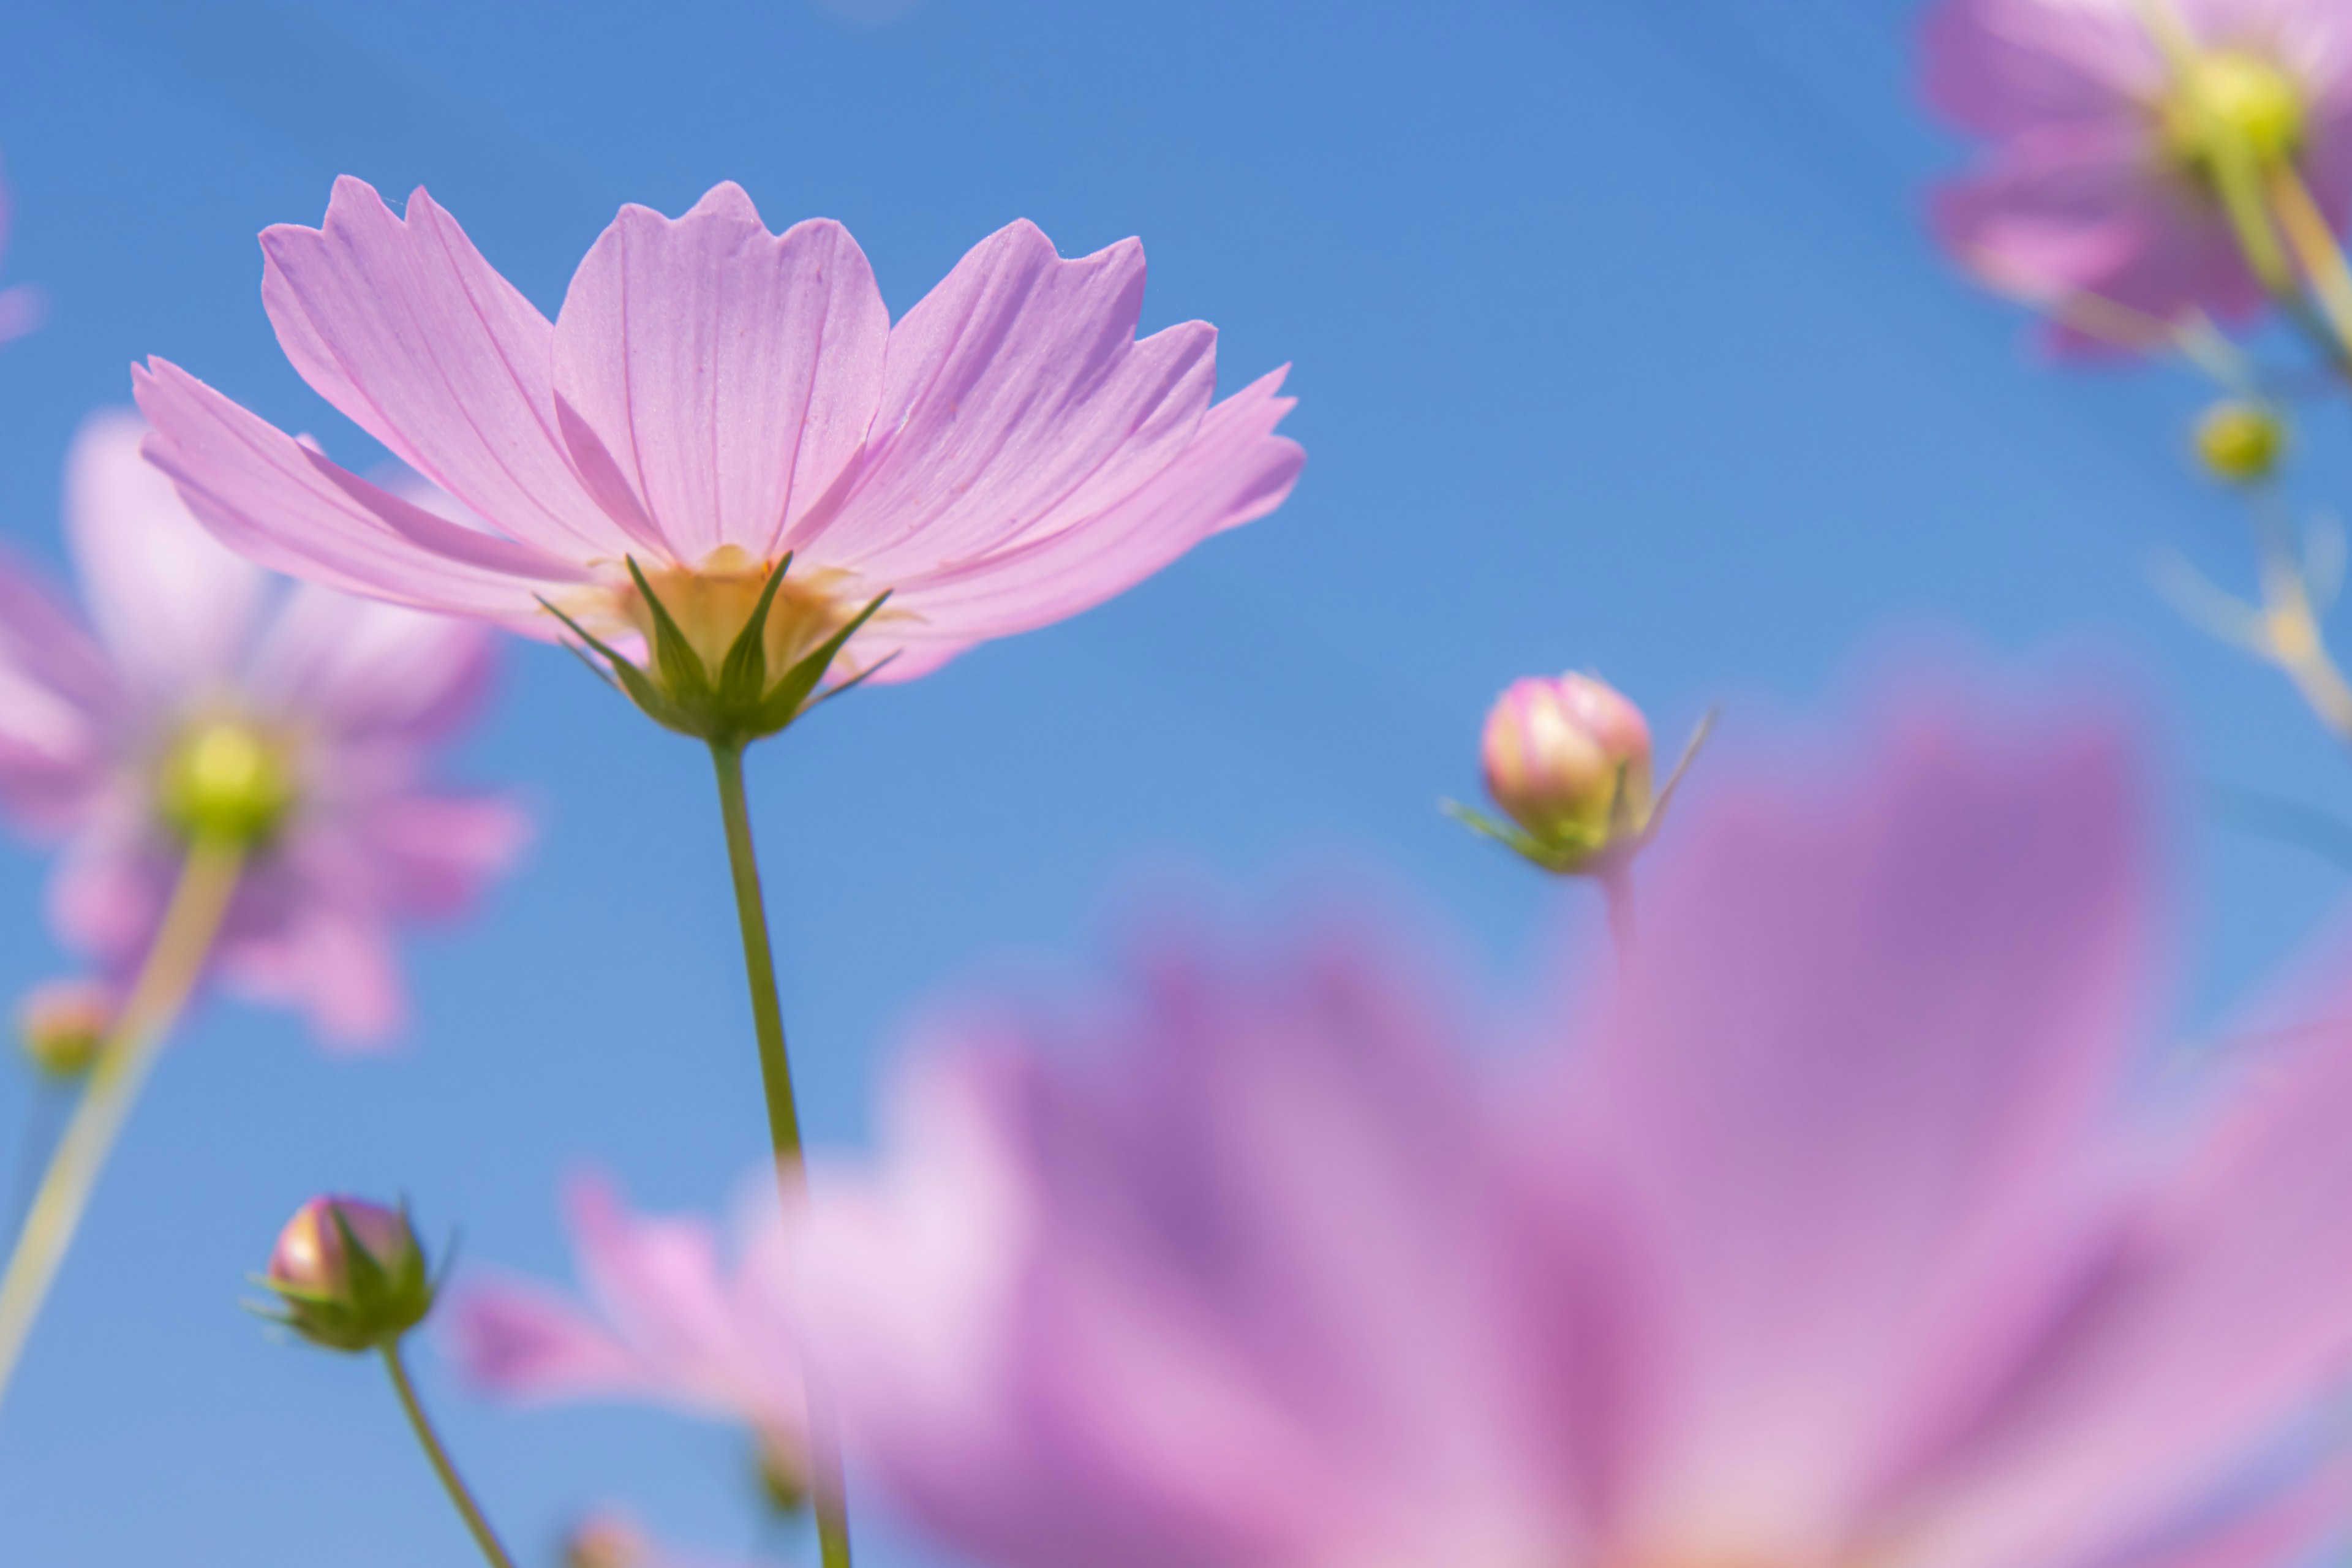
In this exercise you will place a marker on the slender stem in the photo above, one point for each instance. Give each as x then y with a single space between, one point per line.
207 881
828 1484
2322 258
451 1481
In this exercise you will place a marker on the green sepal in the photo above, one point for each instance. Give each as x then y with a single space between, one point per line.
679 666
743 675
634 682
783 704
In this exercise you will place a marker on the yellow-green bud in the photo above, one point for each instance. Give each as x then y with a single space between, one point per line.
606 1541
63 1024
224 779
2241 441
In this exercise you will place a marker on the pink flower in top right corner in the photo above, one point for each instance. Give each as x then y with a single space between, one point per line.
1846 1227
2095 182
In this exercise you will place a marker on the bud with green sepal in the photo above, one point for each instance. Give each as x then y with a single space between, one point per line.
2241 441
63 1025
1567 759
731 659
351 1274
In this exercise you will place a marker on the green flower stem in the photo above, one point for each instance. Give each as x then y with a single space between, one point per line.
451 1481
828 1482
199 902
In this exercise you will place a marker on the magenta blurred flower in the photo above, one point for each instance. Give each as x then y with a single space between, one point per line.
21 307
665 1323
1828 1235
338 706
2098 180
712 397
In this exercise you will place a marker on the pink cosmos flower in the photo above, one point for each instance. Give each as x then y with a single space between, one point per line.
21 307
344 704
1831 1235
2096 181
712 397
667 1323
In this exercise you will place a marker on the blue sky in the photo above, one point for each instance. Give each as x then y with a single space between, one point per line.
1620 346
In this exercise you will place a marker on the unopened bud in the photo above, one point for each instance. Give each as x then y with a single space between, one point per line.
606 1541
351 1274
2240 442
227 781
63 1024
1569 760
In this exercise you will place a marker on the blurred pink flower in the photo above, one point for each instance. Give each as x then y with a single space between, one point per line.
2092 184
711 396
611 1538
351 700
21 307
666 1323
1827 1235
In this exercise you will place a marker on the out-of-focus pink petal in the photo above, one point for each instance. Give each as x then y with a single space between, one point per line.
1016 401
723 377
1998 67
400 323
657 1281
2225 1313
524 1342
277 503
1234 471
431 855
1861 1041
369 670
333 961
1278 1313
173 605
21 310
57 698
2067 210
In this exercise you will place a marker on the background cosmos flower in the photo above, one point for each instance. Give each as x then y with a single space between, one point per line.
1829 1233
355 698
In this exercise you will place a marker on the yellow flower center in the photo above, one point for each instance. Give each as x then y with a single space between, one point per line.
712 602
225 779
2231 98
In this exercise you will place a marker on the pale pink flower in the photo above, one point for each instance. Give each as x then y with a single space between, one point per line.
666 1321
711 396
2092 183
1831 1235
22 306
350 700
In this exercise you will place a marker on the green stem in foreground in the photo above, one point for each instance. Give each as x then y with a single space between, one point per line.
451 1481
207 881
827 1483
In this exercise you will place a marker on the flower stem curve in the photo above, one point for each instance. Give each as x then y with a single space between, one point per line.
828 1486
200 901
451 1481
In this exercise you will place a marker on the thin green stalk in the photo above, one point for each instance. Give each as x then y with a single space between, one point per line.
451 1481
207 881
828 1482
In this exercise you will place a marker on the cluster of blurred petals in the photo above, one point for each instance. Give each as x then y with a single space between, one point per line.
1842 1227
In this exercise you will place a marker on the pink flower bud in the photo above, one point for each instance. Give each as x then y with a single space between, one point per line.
351 1274
1569 760
63 1024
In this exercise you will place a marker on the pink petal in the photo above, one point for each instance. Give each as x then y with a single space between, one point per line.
1235 470
657 1281
331 960
402 326
58 699
1245 1294
369 670
1998 67
432 855
523 1342
21 310
1841 1100
174 606
1017 402
279 503
722 378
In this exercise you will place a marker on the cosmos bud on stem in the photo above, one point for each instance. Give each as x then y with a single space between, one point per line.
62 1025
1567 759
351 1274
